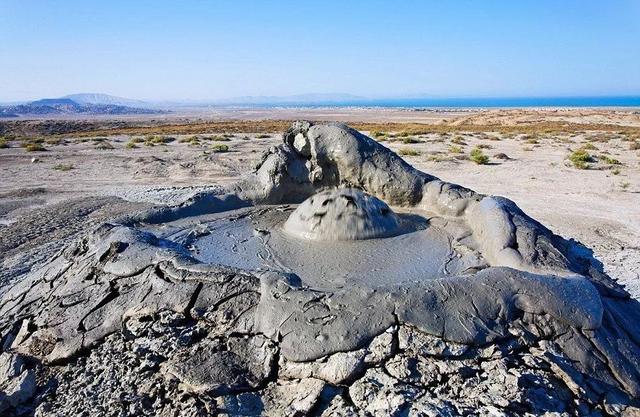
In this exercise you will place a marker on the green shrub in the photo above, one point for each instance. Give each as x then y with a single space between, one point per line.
219 148
479 157
131 145
4 143
63 167
263 136
580 159
455 149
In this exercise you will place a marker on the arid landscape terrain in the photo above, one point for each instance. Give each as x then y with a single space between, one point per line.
141 161
323 209
243 264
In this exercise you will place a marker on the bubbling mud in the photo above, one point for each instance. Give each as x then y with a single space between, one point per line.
417 247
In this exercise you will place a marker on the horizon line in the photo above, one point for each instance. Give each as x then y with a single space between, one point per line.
354 97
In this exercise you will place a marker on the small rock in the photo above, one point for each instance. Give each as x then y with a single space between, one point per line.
428 345
302 145
18 390
379 394
244 365
335 369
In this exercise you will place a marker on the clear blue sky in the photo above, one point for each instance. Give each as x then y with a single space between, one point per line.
214 49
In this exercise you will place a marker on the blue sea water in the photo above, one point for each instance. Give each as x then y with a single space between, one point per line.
519 102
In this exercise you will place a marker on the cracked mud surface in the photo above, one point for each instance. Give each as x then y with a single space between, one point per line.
157 314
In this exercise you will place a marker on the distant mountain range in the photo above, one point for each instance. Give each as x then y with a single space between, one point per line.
97 98
104 104
79 104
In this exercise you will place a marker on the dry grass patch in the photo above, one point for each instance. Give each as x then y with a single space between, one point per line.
410 140
589 147
609 160
55 141
34 147
153 140
408 152
104 146
217 138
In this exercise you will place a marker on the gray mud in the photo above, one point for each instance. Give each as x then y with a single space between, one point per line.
458 304
257 240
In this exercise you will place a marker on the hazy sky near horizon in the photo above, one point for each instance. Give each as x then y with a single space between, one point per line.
167 50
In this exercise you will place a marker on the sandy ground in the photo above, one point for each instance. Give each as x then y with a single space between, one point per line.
599 206
455 116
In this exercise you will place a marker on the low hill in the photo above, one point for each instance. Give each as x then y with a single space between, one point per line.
70 106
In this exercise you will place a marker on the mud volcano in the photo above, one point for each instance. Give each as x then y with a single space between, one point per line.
345 214
334 280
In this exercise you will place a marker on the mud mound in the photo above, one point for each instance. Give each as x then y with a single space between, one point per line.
217 306
345 214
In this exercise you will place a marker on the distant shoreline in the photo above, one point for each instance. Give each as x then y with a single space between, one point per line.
444 103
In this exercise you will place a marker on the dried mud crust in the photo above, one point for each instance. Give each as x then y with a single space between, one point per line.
124 323
39 234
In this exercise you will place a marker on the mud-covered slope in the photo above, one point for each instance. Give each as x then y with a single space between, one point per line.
126 322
